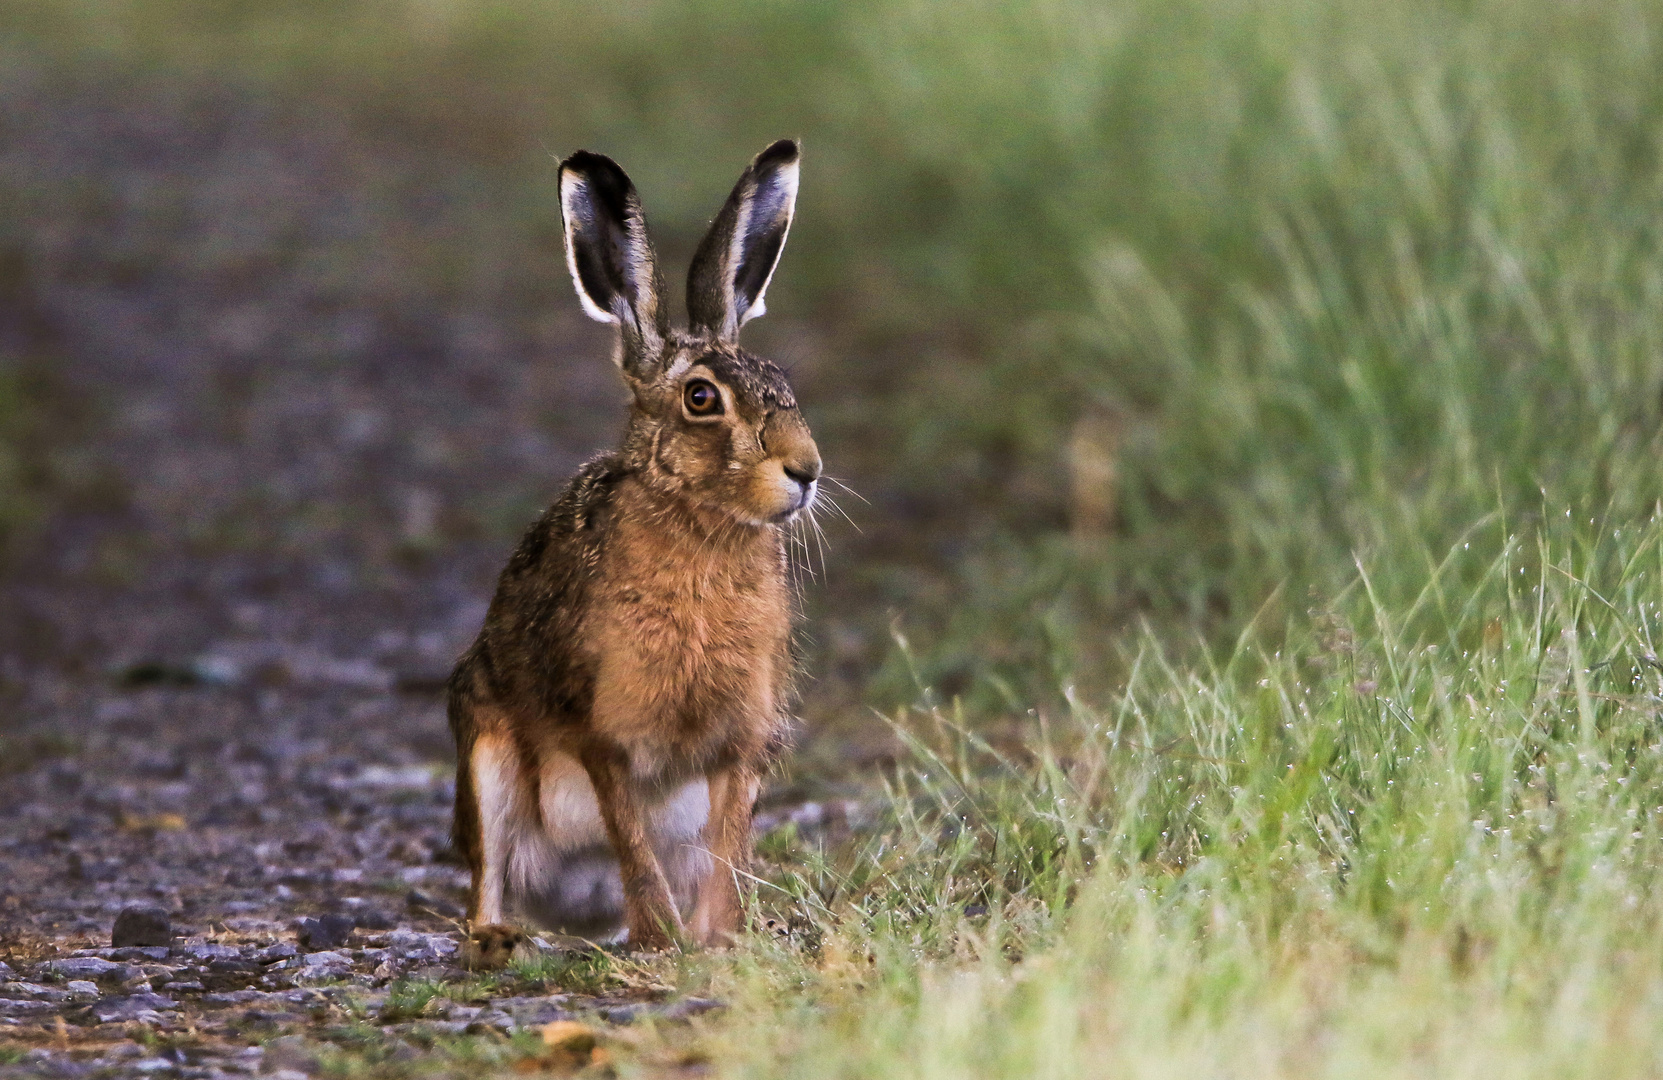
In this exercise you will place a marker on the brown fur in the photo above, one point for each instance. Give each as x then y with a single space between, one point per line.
642 628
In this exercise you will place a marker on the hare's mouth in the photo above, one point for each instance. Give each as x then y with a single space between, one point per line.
804 500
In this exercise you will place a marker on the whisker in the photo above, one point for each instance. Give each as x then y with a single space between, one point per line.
798 541
831 502
846 488
819 538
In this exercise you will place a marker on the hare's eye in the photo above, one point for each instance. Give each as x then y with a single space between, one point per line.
702 398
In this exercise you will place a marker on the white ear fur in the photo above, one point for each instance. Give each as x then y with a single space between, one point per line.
610 257
736 260
574 191
779 195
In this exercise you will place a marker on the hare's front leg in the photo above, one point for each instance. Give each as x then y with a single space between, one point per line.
728 836
654 922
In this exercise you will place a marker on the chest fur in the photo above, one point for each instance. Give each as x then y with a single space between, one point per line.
690 645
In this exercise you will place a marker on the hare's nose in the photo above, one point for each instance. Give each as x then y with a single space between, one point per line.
804 472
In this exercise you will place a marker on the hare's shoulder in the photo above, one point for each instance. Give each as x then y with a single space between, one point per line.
573 523
527 650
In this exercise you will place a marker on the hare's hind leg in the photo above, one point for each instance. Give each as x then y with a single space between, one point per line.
493 774
490 804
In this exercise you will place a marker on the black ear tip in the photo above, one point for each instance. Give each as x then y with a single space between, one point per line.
588 161
783 152
606 179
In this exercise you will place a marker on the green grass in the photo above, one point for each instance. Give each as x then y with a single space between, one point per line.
589 971
1337 750
409 999
1348 275
1418 839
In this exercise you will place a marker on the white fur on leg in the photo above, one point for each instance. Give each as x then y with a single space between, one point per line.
494 786
560 864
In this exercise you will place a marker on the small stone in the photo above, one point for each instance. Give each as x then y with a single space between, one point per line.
283 950
326 931
82 988
626 1014
12 1007
374 919
693 1006
33 991
84 967
142 926
146 1007
209 950
327 959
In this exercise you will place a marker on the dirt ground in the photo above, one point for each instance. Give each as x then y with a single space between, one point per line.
295 395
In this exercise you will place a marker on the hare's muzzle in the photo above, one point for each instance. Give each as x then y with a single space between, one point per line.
791 449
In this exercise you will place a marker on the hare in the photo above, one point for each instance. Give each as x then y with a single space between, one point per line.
633 678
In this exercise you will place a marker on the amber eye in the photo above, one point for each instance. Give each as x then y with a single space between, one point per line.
702 398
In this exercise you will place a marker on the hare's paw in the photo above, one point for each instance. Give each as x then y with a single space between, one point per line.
490 947
652 937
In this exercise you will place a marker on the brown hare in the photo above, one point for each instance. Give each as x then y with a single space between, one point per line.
633 678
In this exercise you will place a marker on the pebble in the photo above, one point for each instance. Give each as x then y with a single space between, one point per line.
83 967
208 950
327 959
326 931
12 1007
685 1009
283 950
33 990
142 926
81 988
146 1007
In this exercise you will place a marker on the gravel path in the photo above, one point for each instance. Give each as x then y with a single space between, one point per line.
301 391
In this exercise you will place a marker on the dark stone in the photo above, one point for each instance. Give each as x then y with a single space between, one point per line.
325 931
374 919
627 1014
142 926
271 954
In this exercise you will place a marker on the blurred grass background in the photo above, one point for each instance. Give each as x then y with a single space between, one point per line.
1135 308
1260 408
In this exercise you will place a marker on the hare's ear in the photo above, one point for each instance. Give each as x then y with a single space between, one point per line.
737 257
610 257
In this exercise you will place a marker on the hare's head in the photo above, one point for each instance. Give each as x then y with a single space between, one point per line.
711 423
